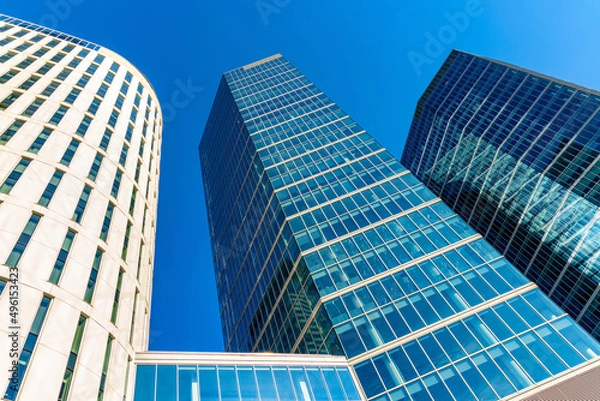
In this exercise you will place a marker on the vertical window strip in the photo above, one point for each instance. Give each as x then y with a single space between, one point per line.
10 131
68 377
139 262
40 140
105 368
106 223
10 99
132 328
61 259
116 184
132 202
95 168
123 157
81 204
91 286
13 390
14 176
33 107
51 188
115 308
70 152
83 126
129 360
126 241
105 139
58 115
23 241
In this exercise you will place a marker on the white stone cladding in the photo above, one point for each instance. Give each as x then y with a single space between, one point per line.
46 368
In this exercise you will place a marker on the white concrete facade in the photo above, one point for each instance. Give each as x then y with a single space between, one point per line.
140 175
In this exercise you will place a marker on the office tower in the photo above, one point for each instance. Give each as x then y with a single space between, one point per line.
226 376
324 243
517 155
80 132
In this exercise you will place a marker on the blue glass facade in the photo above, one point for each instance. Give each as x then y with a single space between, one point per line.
324 243
517 156
185 382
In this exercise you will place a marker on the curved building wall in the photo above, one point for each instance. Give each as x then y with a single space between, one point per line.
84 300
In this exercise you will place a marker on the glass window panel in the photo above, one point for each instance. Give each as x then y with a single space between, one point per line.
188 384
145 383
348 383
209 388
248 389
524 358
493 374
266 385
228 384
577 337
166 386
475 380
333 384
283 382
544 354
318 386
511 369
369 379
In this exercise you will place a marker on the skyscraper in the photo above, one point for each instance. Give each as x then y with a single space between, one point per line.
80 132
324 243
517 155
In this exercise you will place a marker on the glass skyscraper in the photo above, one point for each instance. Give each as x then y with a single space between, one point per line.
517 155
324 243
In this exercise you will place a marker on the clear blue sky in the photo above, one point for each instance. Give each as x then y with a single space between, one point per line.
355 51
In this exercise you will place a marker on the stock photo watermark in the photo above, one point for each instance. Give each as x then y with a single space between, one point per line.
181 97
60 10
436 43
266 8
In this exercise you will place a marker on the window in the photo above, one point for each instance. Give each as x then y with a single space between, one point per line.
83 126
119 102
126 241
22 241
83 81
91 286
50 88
105 139
106 223
10 131
57 57
25 63
137 100
92 69
81 204
95 167
124 89
70 152
10 99
102 90
94 106
7 56
72 95
115 308
8 76
116 184
139 262
123 157
137 171
105 368
68 378
64 74
14 176
133 116
58 116
141 151
128 77
29 345
45 68
40 140
114 116
75 62
51 188
132 202
114 67
99 59
29 82
83 53
132 328
33 107
61 260
41 52
129 133
109 77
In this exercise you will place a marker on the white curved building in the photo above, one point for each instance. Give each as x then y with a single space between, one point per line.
80 135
